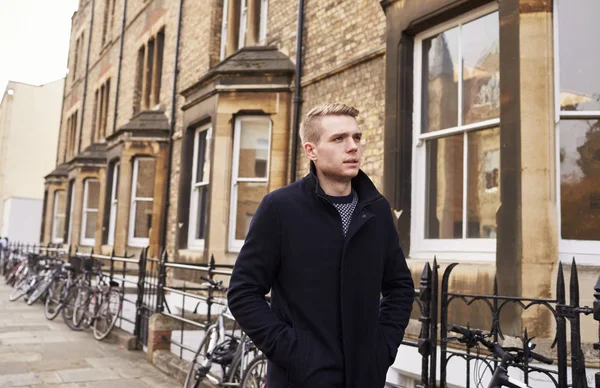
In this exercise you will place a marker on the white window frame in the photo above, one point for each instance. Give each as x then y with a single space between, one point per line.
243 24
585 252
112 220
140 242
71 207
224 27
235 245
57 239
466 249
264 14
84 213
194 243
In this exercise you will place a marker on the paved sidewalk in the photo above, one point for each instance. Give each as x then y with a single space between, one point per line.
35 352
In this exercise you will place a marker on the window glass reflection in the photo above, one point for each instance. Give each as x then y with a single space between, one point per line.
578 31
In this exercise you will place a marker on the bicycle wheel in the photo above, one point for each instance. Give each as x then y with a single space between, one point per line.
10 279
15 275
108 314
255 375
81 310
40 290
69 307
53 302
20 290
235 372
201 362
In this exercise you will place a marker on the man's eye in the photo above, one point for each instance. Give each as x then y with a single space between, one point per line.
337 138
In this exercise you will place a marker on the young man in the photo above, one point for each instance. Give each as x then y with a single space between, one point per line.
326 247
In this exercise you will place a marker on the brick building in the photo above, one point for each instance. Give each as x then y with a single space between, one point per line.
480 127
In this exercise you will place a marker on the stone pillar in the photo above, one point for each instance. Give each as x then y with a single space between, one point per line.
160 176
159 332
124 201
220 193
100 222
77 210
539 215
527 250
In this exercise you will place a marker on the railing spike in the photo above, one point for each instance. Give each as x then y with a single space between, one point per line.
574 286
560 285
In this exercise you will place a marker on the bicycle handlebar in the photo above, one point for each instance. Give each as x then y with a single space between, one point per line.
212 282
478 336
534 355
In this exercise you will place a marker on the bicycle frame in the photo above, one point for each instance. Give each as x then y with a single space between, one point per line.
501 377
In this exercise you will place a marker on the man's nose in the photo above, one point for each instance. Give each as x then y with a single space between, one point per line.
352 146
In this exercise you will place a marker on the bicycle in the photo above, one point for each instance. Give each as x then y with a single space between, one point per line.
50 273
97 306
71 291
16 265
510 356
234 354
59 290
30 277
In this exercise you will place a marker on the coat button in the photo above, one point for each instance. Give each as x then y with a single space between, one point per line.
364 216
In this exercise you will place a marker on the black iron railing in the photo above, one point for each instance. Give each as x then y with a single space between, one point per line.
197 292
148 284
496 304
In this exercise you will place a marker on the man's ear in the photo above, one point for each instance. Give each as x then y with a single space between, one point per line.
309 148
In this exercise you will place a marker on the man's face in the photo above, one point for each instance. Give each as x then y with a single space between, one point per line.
338 152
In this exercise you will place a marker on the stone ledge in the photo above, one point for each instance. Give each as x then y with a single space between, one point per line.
122 338
173 366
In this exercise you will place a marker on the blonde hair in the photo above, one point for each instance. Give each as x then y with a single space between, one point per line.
311 125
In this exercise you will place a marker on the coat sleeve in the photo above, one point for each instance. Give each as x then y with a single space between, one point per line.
252 278
397 293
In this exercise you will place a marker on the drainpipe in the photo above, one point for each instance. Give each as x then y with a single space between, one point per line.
171 132
120 62
298 90
85 81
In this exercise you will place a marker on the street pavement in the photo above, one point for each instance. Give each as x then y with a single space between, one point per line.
35 352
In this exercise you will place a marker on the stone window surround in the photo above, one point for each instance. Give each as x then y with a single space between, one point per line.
148 83
112 202
85 210
108 25
70 209
43 223
235 245
404 22
145 136
423 248
242 31
217 233
192 242
78 53
56 181
587 252
139 242
72 124
100 112
55 238
216 100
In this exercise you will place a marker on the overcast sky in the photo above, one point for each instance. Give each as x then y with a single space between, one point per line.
34 40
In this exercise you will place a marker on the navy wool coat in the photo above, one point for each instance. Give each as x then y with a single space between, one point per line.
340 304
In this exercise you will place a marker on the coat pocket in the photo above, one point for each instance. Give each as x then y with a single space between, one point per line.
383 354
298 362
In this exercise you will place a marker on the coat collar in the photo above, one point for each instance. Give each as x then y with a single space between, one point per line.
366 190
